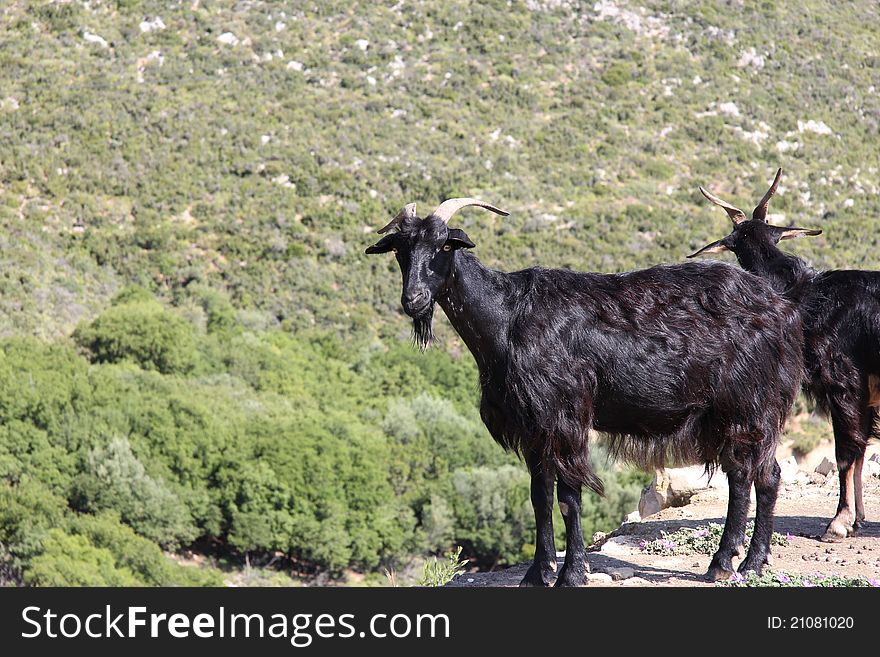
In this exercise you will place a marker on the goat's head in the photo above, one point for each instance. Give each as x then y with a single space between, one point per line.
753 233
425 250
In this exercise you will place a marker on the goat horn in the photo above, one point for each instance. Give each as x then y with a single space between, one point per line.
760 211
407 214
736 215
449 207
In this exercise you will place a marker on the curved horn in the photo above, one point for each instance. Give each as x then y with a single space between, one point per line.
449 207
407 214
760 211
736 215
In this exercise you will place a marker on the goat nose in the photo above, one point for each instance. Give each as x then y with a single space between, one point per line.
415 298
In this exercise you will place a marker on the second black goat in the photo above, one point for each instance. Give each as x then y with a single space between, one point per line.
841 319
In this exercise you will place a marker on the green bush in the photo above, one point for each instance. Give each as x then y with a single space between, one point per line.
493 513
114 479
143 332
73 561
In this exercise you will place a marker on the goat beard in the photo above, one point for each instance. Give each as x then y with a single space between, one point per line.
423 328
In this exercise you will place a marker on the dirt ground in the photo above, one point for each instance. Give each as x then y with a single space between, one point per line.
803 510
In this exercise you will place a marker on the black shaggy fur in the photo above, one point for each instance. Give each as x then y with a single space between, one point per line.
692 363
841 325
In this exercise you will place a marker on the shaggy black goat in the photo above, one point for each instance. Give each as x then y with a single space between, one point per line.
697 362
841 326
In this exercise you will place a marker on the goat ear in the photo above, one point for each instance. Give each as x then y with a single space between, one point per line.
384 245
458 239
793 231
714 247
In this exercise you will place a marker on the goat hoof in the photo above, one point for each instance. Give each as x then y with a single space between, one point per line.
569 578
755 565
538 575
718 574
835 534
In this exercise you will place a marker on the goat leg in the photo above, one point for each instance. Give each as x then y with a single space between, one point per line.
766 492
574 571
543 568
721 566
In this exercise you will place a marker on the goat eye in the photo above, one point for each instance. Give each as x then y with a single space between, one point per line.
447 247
393 250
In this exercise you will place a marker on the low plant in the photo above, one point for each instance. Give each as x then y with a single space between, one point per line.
440 573
781 578
703 539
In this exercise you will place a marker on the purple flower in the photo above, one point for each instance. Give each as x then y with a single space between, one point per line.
701 533
737 578
643 546
667 544
874 582
809 584
783 578
788 536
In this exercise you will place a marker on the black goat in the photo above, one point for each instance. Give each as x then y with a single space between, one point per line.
698 362
841 326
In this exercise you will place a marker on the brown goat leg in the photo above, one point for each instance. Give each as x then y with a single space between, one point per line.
847 435
842 525
857 483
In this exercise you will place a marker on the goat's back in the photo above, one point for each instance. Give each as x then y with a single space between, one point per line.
675 362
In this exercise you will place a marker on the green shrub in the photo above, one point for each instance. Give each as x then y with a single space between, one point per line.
143 332
73 561
440 573
114 479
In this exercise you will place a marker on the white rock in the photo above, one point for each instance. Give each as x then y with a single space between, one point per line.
617 546
871 468
294 65
635 516
789 469
675 486
94 38
636 581
228 38
152 24
826 467
784 146
599 578
728 108
751 59
817 127
363 44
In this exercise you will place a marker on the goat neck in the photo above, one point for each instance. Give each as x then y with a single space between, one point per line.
787 273
475 301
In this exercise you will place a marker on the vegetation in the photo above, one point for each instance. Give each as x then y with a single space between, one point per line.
704 539
440 573
196 356
781 578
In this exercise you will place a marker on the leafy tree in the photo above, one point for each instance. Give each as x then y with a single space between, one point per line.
115 479
143 332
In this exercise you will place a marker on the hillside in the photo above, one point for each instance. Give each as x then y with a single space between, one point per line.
196 355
